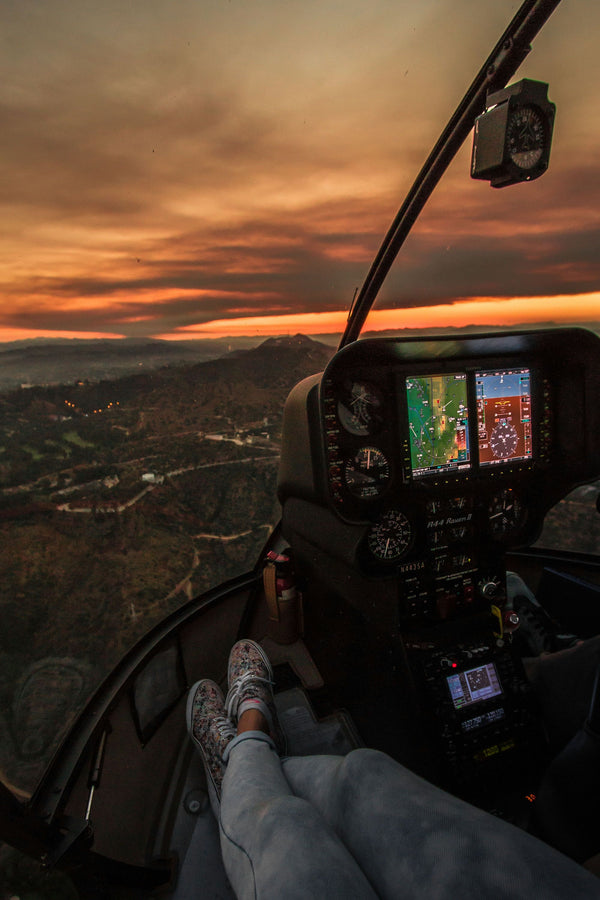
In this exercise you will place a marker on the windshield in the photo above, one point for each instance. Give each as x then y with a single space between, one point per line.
520 256
183 182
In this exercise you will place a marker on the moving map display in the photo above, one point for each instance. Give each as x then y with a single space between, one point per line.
474 685
438 423
504 415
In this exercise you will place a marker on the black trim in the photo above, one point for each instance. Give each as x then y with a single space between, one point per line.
543 555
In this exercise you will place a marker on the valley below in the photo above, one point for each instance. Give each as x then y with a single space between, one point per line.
121 500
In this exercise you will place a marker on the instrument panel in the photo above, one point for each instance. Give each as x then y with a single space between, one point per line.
408 469
441 454
431 456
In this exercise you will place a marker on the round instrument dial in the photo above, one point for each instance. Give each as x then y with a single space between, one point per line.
367 473
526 136
505 513
359 408
504 439
391 536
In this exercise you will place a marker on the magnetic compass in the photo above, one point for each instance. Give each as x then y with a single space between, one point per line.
512 138
525 136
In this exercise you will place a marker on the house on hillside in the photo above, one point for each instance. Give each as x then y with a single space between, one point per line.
152 478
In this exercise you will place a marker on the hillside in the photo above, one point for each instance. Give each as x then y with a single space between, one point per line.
119 501
44 361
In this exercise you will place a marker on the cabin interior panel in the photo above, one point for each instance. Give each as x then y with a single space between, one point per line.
141 774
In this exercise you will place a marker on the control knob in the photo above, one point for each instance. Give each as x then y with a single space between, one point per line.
491 589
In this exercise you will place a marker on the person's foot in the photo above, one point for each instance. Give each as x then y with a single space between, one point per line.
211 731
538 633
250 680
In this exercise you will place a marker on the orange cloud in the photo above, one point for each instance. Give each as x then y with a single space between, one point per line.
480 311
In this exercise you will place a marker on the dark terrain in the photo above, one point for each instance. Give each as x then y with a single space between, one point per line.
119 501
45 361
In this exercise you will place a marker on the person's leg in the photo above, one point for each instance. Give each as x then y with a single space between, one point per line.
412 839
564 683
276 845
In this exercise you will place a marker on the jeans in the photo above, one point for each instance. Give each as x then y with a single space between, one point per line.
363 826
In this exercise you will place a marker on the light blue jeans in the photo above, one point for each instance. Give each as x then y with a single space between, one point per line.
363 826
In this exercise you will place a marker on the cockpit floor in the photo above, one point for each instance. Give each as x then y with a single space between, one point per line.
195 836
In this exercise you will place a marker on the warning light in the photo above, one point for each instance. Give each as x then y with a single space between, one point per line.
530 797
454 665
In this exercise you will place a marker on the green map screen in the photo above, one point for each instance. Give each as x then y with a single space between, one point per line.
438 423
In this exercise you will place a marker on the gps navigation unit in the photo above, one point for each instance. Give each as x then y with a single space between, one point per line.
474 685
438 423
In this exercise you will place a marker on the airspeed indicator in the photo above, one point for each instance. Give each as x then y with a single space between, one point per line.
391 536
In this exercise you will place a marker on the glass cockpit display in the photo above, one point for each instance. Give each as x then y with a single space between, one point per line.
438 423
474 685
504 415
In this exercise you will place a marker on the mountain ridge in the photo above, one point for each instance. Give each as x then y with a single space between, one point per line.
52 363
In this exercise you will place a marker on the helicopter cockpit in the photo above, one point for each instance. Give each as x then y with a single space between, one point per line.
415 476
423 464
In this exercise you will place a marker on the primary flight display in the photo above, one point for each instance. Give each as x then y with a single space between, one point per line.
504 415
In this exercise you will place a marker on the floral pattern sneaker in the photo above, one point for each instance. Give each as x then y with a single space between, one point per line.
250 680
211 730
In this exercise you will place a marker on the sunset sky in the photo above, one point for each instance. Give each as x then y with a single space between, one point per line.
198 168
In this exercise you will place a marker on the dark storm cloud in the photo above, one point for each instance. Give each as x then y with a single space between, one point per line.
258 264
125 159
169 164
260 267
480 266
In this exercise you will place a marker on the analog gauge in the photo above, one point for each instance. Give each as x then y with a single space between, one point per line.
505 513
458 532
391 536
526 136
504 439
367 473
359 408
434 507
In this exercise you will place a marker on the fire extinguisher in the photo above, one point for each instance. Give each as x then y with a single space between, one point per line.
284 600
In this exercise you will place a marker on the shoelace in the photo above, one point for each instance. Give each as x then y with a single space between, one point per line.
225 727
233 697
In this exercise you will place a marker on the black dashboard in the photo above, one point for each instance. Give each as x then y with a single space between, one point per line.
408 469
430 458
